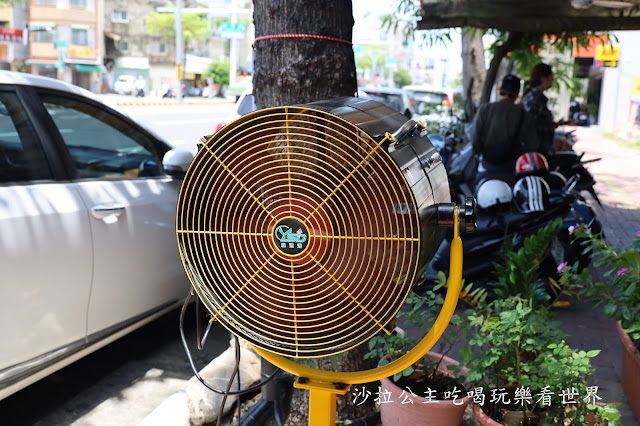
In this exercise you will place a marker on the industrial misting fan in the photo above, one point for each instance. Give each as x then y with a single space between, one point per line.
303 228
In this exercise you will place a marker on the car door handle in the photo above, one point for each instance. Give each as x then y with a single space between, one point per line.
101 211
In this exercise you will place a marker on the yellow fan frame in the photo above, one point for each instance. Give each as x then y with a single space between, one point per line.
325 386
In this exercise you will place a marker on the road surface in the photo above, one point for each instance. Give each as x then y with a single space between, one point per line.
182 125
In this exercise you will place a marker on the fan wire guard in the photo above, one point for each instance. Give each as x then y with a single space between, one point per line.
298 232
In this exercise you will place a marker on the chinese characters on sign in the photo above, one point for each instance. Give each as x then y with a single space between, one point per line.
11 35
608 54
498 395
81 52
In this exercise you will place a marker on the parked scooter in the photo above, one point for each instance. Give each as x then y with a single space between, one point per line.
579 115
461 164
501 215
482 247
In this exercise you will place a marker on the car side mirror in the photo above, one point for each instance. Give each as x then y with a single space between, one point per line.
176 162
247 105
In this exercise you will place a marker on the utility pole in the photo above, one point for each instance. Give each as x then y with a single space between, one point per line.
179 48
212 12
233 53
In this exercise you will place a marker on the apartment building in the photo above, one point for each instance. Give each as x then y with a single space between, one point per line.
129 49
91 42
64 40
13 41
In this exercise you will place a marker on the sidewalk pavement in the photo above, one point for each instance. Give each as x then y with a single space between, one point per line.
617 187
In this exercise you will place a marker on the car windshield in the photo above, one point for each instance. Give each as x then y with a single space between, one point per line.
427 102
432 98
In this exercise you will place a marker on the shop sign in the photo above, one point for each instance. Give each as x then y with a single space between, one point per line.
11 35
607 53
81 51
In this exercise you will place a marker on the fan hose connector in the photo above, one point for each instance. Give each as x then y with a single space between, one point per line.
441 214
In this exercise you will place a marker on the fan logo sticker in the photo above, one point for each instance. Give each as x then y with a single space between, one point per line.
291 236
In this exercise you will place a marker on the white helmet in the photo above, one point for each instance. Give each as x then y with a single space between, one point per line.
492 193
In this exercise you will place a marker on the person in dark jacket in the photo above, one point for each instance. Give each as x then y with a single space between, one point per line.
501 131
535 103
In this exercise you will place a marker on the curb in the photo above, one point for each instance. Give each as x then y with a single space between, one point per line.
167 103
172 412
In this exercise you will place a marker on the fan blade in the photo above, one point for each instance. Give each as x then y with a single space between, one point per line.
613 4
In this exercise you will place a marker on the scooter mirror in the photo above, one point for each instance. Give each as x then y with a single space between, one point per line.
571 183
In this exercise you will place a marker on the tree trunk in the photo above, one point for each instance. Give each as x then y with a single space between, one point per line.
501 51
473 68
356 403
289 71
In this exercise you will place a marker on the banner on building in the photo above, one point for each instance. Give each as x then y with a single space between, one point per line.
11 35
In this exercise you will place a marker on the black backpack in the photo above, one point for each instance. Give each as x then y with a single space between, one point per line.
497 154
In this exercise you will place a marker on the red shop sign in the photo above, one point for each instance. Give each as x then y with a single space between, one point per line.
11 35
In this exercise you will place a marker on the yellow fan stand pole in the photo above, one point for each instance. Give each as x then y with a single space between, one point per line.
324 386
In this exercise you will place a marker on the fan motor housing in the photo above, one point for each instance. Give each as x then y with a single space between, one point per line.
303 228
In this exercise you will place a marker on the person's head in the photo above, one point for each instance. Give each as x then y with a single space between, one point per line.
510 87
541 77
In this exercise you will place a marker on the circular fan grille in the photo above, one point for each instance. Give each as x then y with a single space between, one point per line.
297 231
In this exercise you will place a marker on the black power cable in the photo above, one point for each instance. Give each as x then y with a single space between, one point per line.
193 367
238 397
233 375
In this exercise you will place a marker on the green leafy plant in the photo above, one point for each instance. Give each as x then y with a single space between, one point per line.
522 346
520 272
193 26
418 315
518 343
618 292
401 77
514 334
219 70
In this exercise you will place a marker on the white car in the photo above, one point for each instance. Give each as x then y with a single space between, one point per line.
246 103
427 100
87 226
125 85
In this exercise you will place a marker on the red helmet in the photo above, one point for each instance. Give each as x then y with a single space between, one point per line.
531 163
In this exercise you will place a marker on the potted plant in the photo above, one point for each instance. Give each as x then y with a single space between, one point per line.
433 391
519 349
523 371
529 268
618 293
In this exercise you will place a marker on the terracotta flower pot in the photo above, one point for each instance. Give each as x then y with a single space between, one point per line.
511 413
630 371
482 417
420 412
